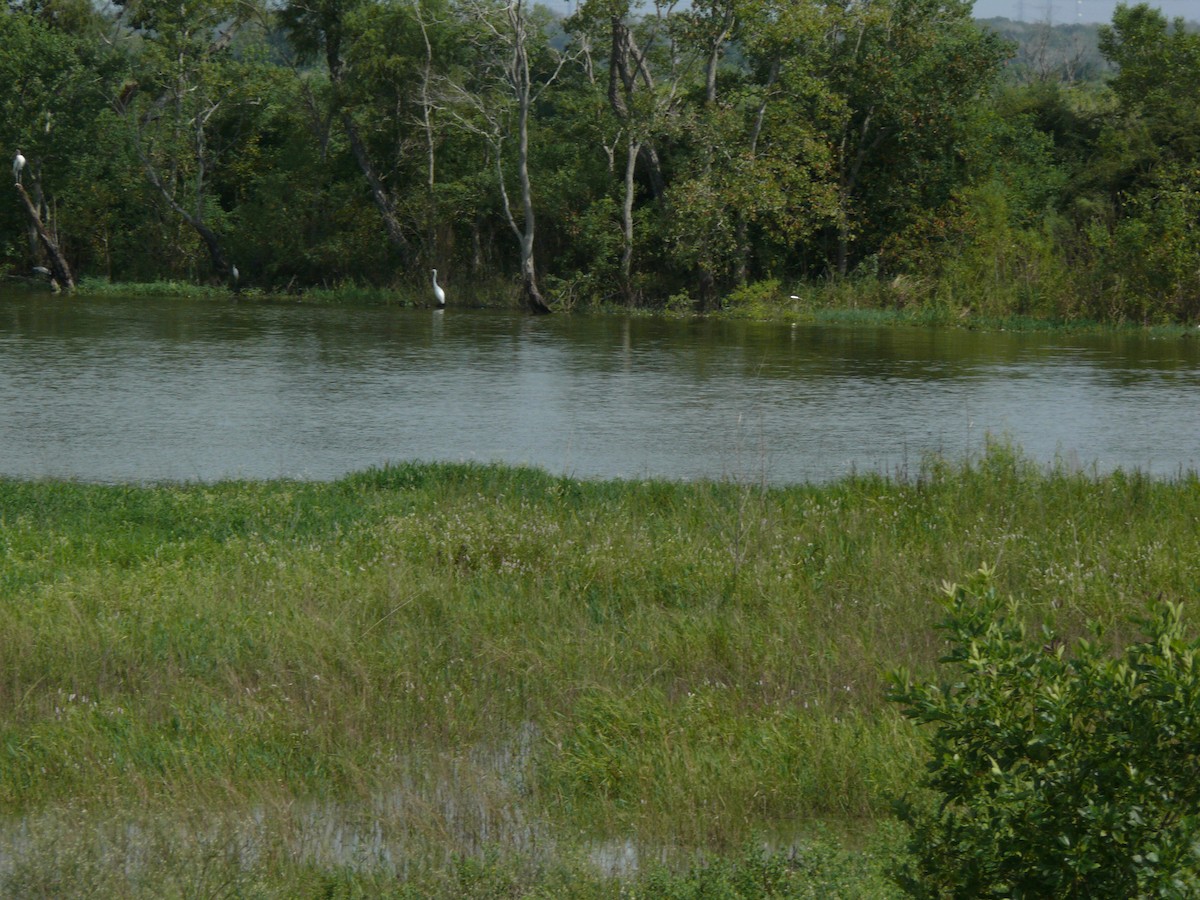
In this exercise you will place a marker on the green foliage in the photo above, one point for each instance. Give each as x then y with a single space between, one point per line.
1056 770
1135 198
54 112
985 259
759 296
676 158
1145 261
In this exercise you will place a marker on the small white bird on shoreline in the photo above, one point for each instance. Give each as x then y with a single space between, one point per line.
438 294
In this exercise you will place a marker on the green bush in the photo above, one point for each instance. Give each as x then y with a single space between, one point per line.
758 296
1056 771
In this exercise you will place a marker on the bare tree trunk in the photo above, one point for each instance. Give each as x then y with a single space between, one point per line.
714 55
476 246
533 296
509 74
627 66
430 146
198 122
631 156
59 268
215 251
521 81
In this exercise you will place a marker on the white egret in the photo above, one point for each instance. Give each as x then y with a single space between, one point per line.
438 293
18 165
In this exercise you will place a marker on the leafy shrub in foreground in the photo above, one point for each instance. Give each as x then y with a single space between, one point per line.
1056 772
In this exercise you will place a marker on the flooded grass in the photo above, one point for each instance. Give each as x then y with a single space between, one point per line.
477 680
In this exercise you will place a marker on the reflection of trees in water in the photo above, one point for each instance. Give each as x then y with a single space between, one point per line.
350 338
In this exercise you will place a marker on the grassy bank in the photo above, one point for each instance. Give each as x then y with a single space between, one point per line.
848 303
491 292
867 300
447 678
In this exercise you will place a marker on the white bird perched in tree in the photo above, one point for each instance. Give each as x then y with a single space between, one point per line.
438 293
18 165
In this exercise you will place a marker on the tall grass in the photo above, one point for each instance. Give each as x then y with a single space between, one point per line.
431 660
489 292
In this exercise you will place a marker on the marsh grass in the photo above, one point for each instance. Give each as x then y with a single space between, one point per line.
99 287
495 293
870 301
447 661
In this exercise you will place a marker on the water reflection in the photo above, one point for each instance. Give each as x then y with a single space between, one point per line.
154 389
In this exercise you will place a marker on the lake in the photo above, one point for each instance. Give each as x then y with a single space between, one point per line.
144 389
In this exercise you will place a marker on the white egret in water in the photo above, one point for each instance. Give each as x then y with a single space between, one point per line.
438 293
18 165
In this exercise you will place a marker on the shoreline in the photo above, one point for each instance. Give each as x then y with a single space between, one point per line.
778 308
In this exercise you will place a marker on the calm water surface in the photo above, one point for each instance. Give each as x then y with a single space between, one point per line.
149 390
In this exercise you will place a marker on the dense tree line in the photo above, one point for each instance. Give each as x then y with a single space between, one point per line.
625 154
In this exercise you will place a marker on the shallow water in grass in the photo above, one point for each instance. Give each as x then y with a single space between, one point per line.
169 389
463 805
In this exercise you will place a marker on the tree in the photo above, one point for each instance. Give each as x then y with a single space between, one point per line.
757 180
636 102
516 65
327 28
183 78
1137 195
57 80
383 61
901 75
1157 66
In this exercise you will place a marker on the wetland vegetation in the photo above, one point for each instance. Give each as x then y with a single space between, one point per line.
437 679
468 680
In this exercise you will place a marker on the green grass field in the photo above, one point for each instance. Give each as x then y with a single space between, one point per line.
469 680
